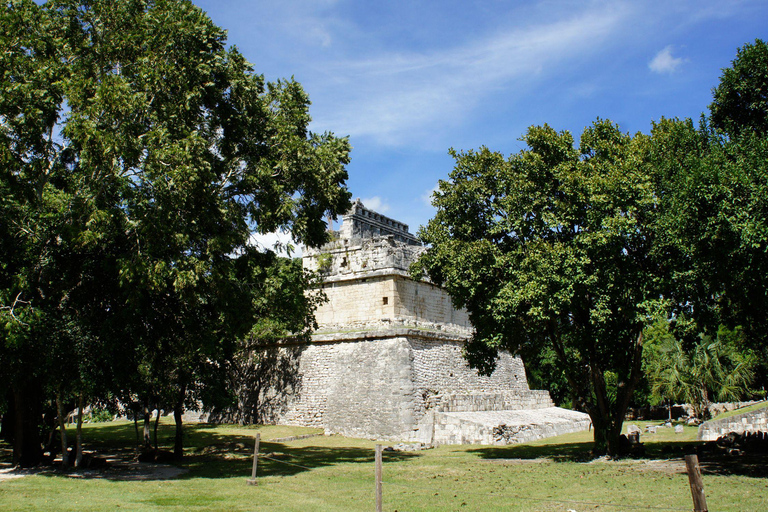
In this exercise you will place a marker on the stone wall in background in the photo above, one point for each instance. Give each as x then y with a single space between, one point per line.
755 421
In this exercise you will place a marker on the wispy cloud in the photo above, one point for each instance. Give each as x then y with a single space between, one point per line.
426 197
664 62
397 96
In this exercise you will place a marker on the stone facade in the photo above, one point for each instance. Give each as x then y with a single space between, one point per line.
387 360
748 422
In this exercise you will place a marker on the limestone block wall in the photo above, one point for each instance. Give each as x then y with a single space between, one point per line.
510 401
362 389
383 384
503 427
440 369
356 303
427 302
755 421
391 299
345 259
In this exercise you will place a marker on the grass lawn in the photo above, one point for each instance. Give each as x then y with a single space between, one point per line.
337 473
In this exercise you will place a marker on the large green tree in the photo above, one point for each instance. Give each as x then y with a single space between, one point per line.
713 188
139 156
741 98
553 249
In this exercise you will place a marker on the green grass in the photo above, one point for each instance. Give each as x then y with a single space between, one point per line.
328 473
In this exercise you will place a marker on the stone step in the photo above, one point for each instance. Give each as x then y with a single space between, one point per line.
506 427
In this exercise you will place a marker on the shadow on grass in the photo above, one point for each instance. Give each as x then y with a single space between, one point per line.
277 459
566 452
582 451
713 463
753 465
211 452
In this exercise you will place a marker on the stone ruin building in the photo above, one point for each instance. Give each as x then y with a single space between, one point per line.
386 361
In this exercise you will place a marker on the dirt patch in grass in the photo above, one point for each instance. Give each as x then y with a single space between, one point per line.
668 466
515 461
118 469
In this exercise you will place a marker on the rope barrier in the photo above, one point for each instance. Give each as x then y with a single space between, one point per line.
284 462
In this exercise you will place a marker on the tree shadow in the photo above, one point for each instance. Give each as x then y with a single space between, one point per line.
711 462
264 381
566 452
278 459
750 465
211 453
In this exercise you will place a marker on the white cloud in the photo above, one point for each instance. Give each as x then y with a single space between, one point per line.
376 203
427 196
277 241
405 98
664 62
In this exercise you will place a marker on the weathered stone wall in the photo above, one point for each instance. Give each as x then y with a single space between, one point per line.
381 384
427 303
354 304
385 301
755 421
480 402
360 222
348 259
359 389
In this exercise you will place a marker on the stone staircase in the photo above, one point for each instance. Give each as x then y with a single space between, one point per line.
502 418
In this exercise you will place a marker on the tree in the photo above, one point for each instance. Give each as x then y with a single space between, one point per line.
553 248
741 98
719 368
713 181
139 157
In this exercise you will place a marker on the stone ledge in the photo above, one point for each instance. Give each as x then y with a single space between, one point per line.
363 274
369 335
506 427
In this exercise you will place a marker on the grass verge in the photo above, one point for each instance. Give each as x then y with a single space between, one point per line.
336 473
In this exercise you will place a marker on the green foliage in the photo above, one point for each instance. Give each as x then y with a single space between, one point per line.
101 415
741 99
139 156
714 192
711 369
324 261
553 248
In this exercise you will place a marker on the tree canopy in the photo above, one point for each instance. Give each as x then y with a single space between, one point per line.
553 247
139 157
574 250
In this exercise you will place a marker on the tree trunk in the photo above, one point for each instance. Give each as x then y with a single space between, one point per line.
27 446
147 425
79 443
136 427
157 422
178 411
62 430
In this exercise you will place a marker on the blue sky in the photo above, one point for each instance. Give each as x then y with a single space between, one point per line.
407 80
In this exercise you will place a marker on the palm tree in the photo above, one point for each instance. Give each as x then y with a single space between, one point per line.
712 368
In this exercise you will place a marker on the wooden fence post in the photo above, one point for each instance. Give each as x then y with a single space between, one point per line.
257 441
378 479
697 485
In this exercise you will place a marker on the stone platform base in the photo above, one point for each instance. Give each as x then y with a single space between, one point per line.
506 427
